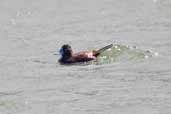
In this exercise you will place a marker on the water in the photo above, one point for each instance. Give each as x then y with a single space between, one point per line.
32 82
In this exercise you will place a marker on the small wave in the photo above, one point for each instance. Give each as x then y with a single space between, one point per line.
123 53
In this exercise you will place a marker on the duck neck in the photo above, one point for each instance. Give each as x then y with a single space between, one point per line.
66 56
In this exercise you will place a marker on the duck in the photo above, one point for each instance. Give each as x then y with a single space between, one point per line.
69 57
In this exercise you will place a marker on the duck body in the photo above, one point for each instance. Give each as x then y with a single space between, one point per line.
83 56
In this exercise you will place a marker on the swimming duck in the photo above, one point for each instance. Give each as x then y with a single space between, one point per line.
68 57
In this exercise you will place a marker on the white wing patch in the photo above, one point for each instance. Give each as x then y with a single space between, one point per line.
90 55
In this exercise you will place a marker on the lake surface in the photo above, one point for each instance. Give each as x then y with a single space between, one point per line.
32 82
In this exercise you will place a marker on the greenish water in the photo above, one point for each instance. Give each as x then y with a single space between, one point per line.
123 53
7 104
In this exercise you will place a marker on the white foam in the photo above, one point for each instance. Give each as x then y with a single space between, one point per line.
156 54
109 49
119 49
116 47
146 56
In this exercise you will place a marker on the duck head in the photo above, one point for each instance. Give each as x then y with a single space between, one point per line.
66 51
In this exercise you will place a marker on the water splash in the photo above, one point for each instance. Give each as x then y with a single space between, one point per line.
123 53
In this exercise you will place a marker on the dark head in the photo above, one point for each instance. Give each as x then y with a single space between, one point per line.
66 51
